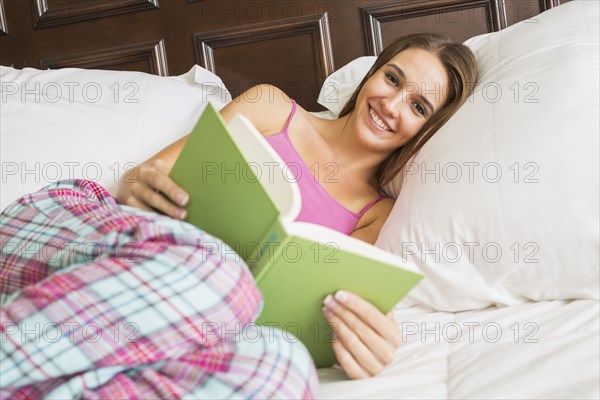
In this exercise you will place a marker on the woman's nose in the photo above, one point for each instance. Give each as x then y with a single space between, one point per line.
392 105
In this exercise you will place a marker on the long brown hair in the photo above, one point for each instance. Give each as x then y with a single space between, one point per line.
461 68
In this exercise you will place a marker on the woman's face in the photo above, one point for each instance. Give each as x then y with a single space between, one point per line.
397 100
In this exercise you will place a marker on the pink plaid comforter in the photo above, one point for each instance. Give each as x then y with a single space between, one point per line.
106 301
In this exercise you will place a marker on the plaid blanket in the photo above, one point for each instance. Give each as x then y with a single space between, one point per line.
103 301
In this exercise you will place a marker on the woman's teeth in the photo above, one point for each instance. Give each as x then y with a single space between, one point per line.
378 120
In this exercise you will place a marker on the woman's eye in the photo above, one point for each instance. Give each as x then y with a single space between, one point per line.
392 78
420 108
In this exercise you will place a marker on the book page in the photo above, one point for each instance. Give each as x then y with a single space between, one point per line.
268 166
321 234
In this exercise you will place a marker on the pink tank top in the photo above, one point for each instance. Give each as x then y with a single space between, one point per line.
318 206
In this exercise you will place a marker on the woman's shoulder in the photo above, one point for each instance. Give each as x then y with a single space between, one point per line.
382 208
370 224
265 105
379 211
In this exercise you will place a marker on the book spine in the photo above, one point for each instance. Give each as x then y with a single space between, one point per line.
267 249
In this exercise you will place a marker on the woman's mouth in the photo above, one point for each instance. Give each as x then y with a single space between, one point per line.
378 122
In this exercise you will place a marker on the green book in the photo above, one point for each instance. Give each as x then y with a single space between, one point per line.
242 193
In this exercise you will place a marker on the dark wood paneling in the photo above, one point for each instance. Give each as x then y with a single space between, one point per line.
548 4
58 12
147 57
3 26
286 44
519 10
458 19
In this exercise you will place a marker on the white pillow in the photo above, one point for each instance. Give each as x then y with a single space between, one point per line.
76 123
522 224
339 86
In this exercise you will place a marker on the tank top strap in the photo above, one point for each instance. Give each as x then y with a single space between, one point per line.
287 124
371 204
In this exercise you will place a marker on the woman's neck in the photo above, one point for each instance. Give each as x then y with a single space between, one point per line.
349 154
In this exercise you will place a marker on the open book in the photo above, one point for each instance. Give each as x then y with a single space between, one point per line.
242 192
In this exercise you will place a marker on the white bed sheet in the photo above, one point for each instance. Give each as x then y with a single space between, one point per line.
547 350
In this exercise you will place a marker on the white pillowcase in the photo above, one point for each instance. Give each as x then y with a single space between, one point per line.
93 124
530 233
339 86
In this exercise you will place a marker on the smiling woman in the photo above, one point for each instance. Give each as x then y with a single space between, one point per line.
146 276
341 165
391 107
429 66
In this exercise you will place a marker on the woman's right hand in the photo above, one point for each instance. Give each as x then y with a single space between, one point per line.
149 187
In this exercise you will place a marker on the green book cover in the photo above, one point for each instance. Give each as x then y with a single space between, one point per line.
240 192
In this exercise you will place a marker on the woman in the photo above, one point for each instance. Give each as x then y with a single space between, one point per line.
148 275
417 83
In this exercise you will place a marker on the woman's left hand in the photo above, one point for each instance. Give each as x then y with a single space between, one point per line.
365 339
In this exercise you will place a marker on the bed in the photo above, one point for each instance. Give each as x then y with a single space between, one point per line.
499 209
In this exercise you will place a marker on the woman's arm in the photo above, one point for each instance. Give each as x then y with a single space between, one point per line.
148 186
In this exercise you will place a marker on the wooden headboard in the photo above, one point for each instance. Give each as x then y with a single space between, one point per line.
294 45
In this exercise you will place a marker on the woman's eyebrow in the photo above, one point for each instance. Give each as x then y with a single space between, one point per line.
403 75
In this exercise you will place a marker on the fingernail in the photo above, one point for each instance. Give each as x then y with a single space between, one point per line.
341 296
181 214
182 199
329 300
